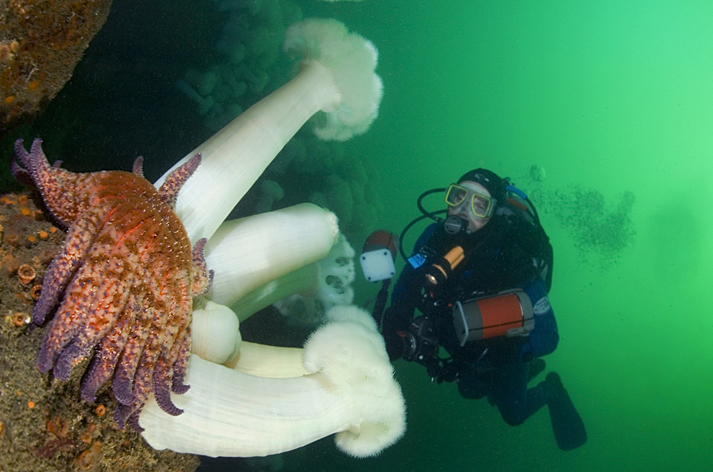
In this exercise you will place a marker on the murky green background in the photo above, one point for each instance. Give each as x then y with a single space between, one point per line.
613 96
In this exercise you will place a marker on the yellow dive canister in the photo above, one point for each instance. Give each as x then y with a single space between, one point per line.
505 314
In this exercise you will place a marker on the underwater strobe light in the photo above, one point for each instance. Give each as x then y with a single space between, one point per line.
378 255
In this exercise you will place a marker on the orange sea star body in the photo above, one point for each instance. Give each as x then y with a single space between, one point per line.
124 281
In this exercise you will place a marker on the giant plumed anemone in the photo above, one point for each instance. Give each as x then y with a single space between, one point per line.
341 382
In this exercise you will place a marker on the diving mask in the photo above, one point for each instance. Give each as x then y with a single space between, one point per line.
480 205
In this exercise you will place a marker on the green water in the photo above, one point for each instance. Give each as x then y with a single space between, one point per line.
611 95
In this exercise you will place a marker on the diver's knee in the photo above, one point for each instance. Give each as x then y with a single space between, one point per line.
513 420
513 415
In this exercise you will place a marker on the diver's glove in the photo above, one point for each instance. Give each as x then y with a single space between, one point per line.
447 372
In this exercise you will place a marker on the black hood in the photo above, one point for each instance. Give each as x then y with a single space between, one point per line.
496 185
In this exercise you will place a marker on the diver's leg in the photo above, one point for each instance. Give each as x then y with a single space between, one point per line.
512 397
536 367
471 385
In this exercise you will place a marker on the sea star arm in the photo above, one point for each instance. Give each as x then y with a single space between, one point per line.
202 277
181 365
107 353
123 380
55 184
77 243
138 168
174 182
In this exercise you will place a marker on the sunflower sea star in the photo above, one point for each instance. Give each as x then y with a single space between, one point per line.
124 282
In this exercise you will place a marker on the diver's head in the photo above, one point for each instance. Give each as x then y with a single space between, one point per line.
474 198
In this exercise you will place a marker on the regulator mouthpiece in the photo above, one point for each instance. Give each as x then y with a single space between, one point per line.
454 225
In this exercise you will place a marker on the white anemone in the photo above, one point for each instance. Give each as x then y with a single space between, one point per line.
269 400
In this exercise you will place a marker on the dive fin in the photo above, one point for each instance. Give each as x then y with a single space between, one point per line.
567 425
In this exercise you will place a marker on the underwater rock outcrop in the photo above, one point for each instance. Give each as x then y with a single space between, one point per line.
41 42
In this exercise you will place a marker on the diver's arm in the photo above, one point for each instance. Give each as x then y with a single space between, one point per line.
404 298
399 315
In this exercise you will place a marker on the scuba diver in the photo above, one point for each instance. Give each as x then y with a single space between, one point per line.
480 279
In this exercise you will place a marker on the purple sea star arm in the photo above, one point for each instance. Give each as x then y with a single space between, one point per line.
77 243
202 277
138 168
123 381
104 362
55 184
22 175
162 389
174 182
181 365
